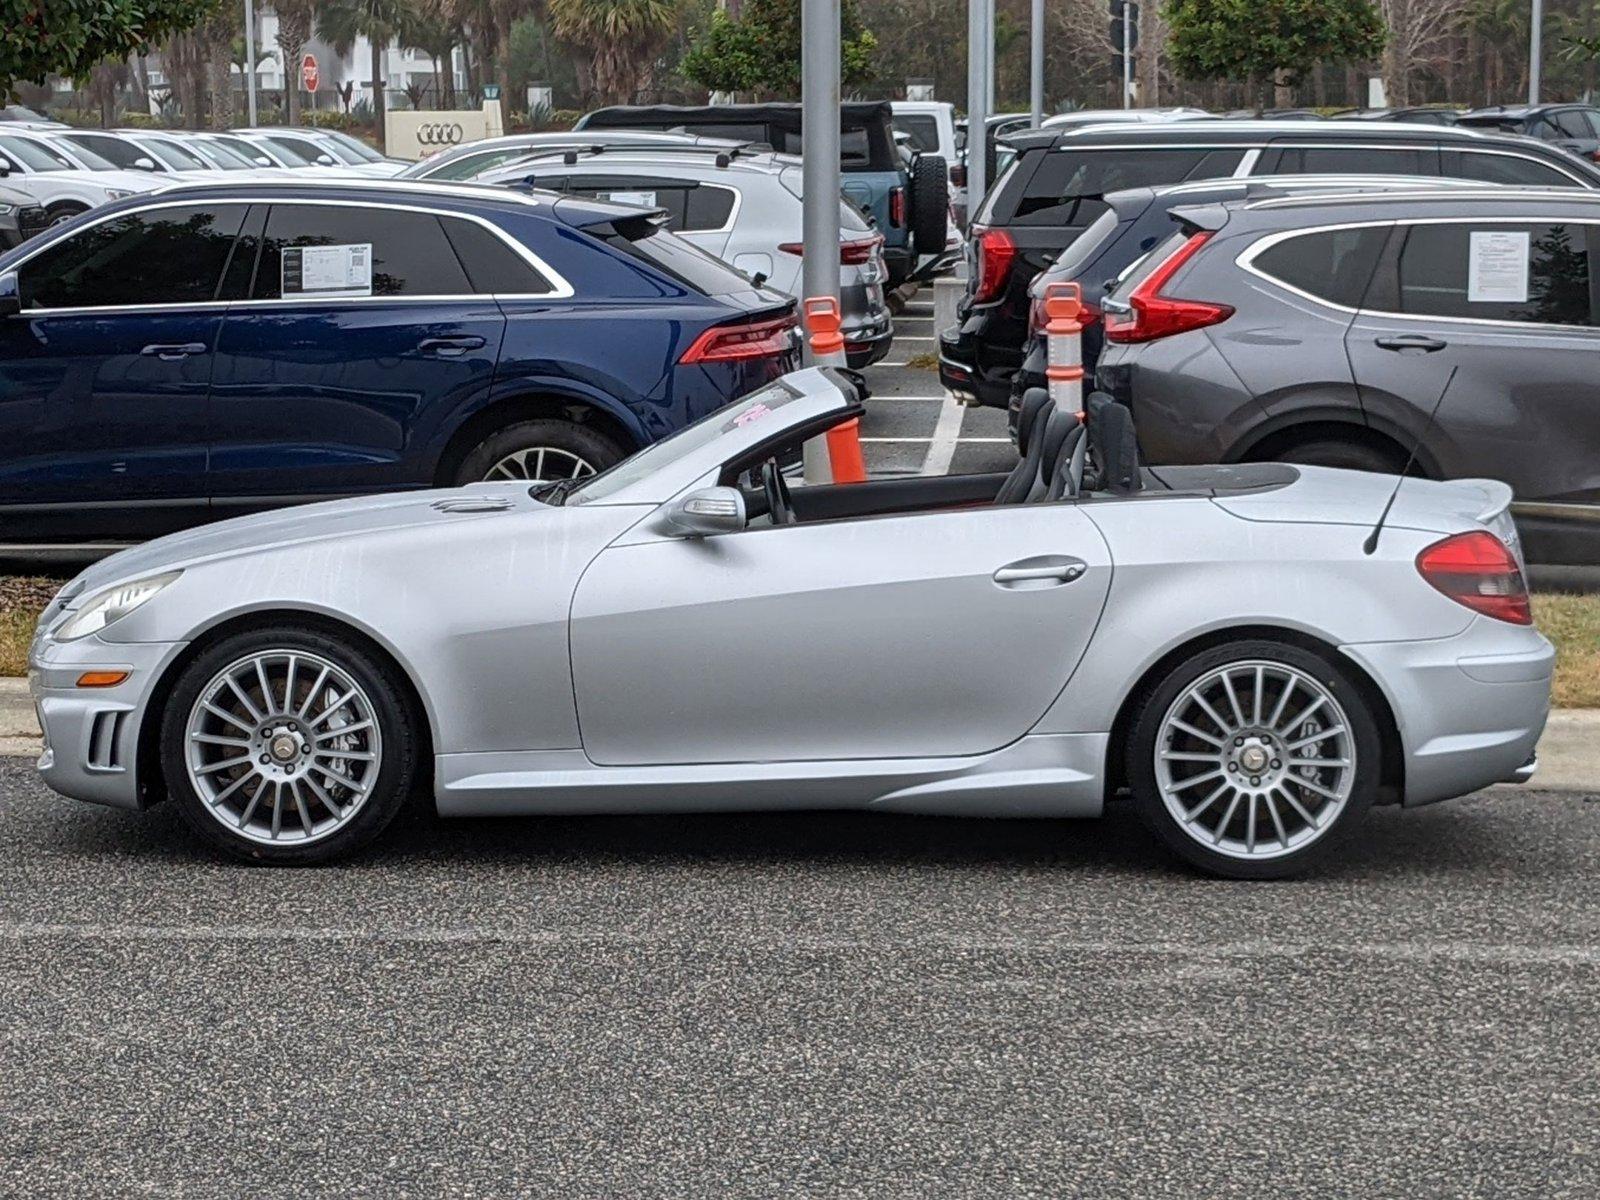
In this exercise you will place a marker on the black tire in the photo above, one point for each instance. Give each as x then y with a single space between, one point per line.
1181 839
1350 456
65 210
581 442
393 712
930 204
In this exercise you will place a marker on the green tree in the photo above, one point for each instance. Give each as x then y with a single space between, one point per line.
294 31
341 22
70 37
1269 41
760 51
622 38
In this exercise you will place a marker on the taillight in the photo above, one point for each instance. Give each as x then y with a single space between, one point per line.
1152 315
897 207
958 176
851 254
1477 570
996 252
736 343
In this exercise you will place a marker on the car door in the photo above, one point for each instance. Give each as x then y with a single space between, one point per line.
361 334
105 374
933 634
1497 317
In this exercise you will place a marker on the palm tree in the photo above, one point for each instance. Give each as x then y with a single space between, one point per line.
294 31
341 22
623 39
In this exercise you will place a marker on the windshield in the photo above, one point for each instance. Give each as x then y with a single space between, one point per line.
686 441
358 148
179 158
254 155
221 156
37 157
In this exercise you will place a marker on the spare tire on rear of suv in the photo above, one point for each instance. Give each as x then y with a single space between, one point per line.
930 203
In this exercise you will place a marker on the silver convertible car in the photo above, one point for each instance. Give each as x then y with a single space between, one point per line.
1237 648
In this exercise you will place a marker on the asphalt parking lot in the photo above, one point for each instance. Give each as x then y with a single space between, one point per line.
799 1005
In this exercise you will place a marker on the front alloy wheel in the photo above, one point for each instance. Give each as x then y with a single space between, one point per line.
288 744
1248 759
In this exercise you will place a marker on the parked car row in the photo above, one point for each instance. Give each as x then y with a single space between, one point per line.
1226 351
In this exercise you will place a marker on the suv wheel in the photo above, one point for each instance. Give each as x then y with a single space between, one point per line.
539 450
930 204
1253 759
1351 456
65 211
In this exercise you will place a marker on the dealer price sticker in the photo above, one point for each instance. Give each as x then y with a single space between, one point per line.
1497 267
328 272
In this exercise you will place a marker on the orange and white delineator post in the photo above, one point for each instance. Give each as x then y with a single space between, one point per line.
836 457
1063 305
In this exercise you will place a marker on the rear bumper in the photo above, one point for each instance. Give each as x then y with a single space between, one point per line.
960 373
1470 708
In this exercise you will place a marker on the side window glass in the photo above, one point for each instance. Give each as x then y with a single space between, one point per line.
1509 168
1217 164
1536 272
324 250
707 207
1067 187
1571 123
490 263
1334 264
1591 118
164 256
1344 160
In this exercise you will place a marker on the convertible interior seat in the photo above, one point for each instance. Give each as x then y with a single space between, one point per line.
1036 407
1113 446
1062 433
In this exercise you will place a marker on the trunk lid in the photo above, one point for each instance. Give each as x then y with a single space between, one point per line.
1325 496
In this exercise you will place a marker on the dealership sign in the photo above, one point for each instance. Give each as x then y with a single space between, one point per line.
415 135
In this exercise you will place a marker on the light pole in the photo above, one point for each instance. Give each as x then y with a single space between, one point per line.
980 58
1036 63
250 59
819 120
1535 50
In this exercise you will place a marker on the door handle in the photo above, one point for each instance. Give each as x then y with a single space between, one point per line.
173 351
1046 571
1411 341
451 345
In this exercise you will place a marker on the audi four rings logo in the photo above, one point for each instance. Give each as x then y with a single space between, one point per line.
439 134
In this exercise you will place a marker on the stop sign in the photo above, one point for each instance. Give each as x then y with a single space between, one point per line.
308 72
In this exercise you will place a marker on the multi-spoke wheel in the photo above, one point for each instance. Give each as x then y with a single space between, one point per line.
1247 759
539 450
286 745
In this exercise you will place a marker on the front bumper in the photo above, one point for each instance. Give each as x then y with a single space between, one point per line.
1470 708
91 735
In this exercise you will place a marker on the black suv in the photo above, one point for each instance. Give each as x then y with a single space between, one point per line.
1574 127
1056 186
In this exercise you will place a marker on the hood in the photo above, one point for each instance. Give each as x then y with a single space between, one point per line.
1325 496
342 519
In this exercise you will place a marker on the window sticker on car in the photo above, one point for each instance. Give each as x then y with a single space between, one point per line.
1497 267
643 199
327 271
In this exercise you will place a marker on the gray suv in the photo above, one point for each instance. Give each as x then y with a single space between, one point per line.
1325 329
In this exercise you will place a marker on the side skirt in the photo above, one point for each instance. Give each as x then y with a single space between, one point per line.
1045 775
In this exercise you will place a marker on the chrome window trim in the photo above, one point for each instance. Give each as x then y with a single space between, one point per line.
1245 260
560 288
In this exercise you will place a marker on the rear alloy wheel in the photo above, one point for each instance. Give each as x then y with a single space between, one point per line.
64 212
285 745
1252 759
539 450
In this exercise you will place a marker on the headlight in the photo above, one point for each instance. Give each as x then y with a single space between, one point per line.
113 604
118 193
7 209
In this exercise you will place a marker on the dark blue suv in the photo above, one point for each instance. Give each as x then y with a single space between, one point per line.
206 351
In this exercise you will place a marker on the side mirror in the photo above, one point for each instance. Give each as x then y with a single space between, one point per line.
5 167
325 160
263 161
11 302
144 164
705 513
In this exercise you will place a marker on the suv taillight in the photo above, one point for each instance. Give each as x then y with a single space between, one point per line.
897 207
958 175
1151 315
996 252
851 254
1476 569
767 338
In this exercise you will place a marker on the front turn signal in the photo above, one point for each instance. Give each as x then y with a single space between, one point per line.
99 679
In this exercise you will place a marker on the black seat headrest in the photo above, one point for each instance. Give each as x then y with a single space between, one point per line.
1033 402
1058 428
1113 444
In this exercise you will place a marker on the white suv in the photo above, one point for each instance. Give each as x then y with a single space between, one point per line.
742 206
66 180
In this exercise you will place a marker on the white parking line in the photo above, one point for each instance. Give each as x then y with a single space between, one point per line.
906 337
941 397
942 445
964 441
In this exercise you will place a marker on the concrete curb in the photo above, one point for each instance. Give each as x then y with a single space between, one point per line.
1569 752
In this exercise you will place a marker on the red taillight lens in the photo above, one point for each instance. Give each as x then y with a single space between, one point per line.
1477 570
996 252
851 254
736 343
958 176
897 207
1153 315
